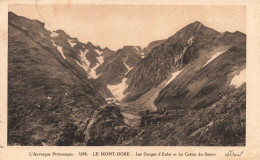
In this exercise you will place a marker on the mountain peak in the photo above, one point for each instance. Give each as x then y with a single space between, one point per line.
107 49
197 22
131 47
61 32
90 44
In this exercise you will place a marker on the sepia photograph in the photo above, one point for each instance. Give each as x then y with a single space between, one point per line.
126 75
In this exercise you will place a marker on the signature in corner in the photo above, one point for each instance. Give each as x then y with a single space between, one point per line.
232 153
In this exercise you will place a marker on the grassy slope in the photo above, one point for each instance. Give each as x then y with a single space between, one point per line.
221 124
43 92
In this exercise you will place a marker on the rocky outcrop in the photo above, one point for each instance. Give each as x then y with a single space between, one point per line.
105 126
80 132
66 136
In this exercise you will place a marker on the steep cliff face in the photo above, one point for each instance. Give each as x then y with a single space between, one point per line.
44 88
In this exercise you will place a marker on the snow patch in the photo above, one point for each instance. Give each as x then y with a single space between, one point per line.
54 34
98 52
59 48
137 49
127 72
198 28
86 68
83 57
49 98
214 56
85 63
128 68
117 90
142 55
109 99
93 73
190 41
239 79
100 59
72 44
174 74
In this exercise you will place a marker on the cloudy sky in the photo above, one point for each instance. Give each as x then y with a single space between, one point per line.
117 25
